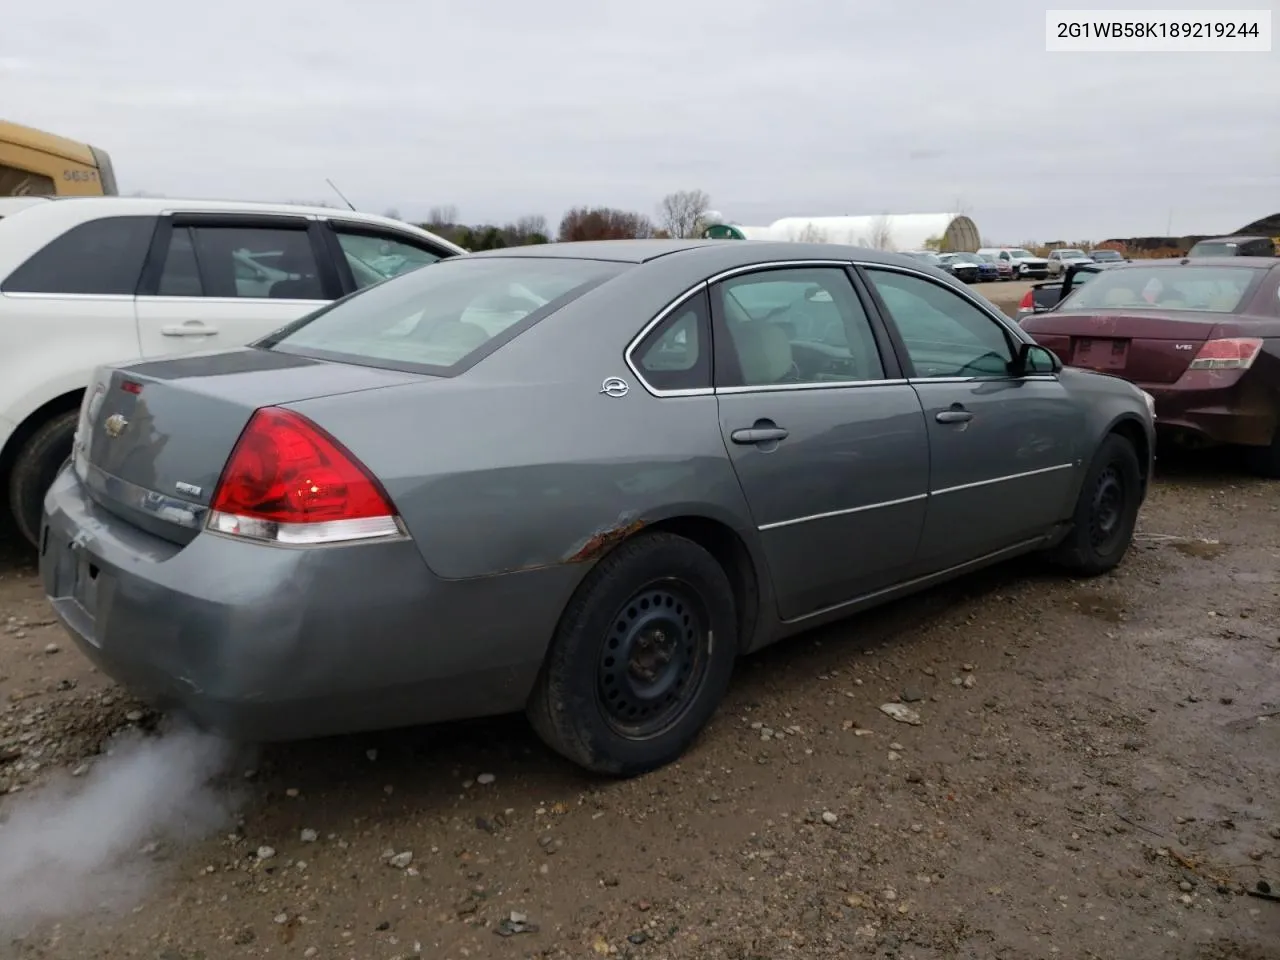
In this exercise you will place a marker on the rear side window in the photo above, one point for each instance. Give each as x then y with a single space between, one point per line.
676 354
102 257
441 320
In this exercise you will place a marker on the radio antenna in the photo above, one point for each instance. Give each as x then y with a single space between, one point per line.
334 186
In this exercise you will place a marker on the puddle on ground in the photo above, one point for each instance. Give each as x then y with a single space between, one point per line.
1100 606
1203 549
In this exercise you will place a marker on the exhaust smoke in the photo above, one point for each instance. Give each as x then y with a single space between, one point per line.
77 845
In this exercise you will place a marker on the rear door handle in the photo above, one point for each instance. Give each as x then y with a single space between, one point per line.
759 435
953 416
195 329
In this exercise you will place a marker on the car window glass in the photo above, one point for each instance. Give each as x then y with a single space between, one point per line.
438 318
253 262
102 257
945 335
1203 289
376 258
803 325
676 354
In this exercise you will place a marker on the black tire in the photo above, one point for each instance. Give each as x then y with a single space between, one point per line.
588 704
34 469
1106 513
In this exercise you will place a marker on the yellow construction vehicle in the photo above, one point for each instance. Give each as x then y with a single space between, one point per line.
39 164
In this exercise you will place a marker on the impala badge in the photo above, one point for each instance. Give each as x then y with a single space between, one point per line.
115 425
614 387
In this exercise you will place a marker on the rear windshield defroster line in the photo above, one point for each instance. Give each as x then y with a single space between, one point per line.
445 318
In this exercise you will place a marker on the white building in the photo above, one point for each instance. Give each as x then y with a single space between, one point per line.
909 231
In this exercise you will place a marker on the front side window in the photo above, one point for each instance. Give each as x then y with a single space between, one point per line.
676 354
101 257
241 262
803 325
945 335
373 258
436 320
1203 289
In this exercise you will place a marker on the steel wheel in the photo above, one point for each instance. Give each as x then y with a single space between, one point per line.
1107 510
654 660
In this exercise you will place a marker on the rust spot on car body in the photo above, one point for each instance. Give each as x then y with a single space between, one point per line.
600 543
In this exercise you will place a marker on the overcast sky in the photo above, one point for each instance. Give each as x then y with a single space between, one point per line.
774 107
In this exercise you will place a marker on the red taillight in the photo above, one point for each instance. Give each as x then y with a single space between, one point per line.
1028 301
1235 353
288 481
131 386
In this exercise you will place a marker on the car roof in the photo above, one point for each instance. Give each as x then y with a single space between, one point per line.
158 205
1232 239
718 254
88 208
1263 262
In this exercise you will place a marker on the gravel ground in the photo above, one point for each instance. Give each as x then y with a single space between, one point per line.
1094 775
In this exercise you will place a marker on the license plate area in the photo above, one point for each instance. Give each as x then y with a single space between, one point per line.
84 582
1097 353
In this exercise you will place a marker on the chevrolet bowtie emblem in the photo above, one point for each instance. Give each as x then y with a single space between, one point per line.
115 425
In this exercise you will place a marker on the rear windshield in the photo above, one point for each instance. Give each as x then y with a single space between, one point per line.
444 317
1206 289
1217 248
1101 255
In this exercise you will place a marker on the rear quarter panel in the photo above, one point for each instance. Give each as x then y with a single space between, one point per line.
522 462
1109 403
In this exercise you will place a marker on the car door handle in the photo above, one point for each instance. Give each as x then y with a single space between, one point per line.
188 330
759 435
953 416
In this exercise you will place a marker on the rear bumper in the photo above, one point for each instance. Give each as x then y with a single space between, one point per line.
266 643
1205 406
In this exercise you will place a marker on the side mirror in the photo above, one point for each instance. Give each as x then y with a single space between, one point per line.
1035 359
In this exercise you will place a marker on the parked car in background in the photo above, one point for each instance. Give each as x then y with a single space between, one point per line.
1234 247
1058 259
87 280
1201 336
1104 255
283 540
929 257
1004 269
987 271
1046 294
960 267
1024 262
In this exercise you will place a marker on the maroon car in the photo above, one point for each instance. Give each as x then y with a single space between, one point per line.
1201 336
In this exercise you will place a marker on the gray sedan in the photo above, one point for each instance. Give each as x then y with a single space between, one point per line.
574 479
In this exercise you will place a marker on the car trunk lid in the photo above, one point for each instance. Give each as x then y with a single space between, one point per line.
154 436
1143 346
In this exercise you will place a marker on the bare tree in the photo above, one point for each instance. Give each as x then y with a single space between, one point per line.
881 233
603 223
534 225
935 244
442 216
680 214
392 213
811 234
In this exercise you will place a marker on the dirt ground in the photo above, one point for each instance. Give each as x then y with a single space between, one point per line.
1095 776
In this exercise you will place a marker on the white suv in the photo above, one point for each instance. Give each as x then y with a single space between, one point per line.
1024 262
90 280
